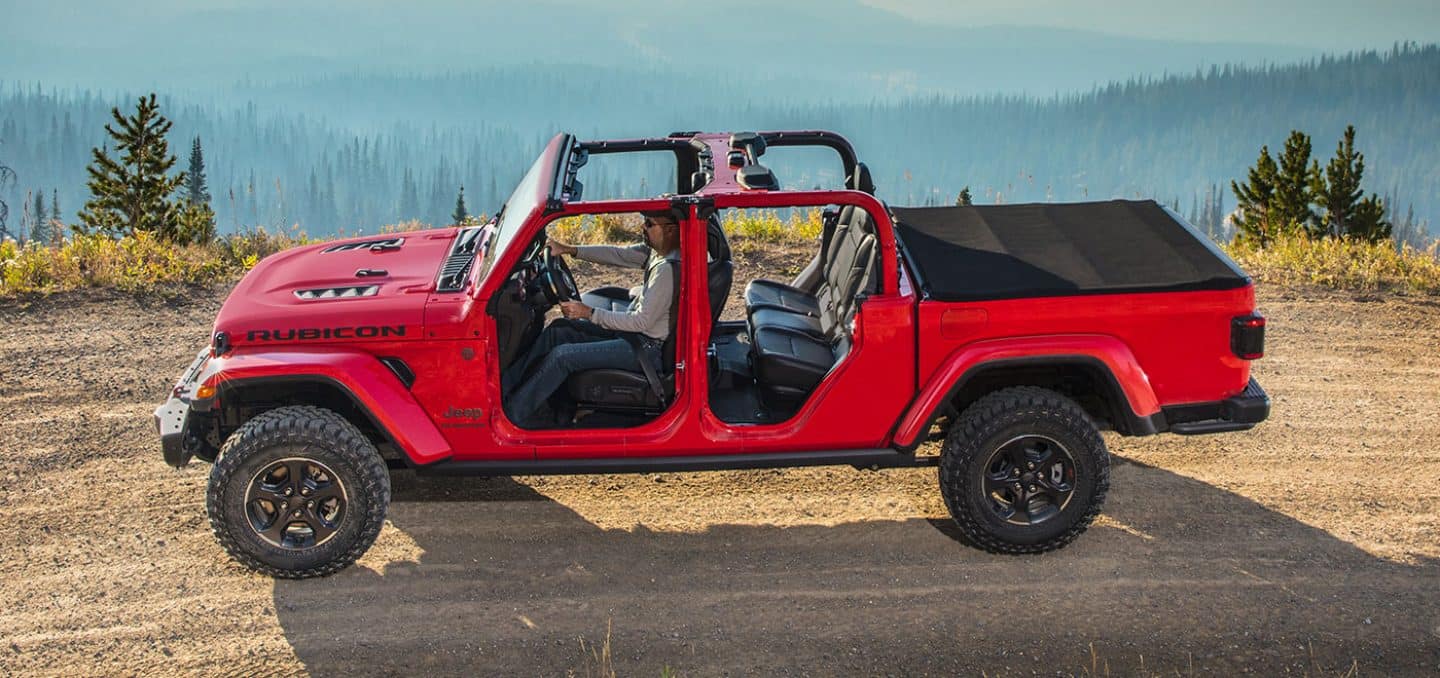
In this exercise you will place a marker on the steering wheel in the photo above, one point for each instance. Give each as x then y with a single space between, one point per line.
558 283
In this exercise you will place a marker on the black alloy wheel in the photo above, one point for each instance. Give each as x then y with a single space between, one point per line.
295 503
1023 470
297 492
1029 479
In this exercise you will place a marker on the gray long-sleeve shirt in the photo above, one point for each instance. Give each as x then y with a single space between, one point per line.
649 313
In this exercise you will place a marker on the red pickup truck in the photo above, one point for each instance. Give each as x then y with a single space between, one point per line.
1014 333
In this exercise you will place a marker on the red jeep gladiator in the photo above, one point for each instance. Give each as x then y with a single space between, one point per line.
1014 333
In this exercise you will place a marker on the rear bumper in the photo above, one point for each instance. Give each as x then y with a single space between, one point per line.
1239 413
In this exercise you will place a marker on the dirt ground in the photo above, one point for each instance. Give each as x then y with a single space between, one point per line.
1307 546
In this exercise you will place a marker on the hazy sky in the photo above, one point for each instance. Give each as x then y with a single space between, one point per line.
887 46
1326 24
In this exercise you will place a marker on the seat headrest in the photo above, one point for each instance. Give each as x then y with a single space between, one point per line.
716 244
860 180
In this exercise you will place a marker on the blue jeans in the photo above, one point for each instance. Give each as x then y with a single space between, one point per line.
565 347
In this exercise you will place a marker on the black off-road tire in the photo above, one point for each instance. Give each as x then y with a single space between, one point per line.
319 436
978 449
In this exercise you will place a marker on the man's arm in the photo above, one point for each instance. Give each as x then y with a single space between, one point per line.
650 319
633 256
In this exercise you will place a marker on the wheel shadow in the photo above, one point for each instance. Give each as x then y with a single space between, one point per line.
492 577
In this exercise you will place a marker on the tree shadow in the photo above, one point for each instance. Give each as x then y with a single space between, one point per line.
1177 574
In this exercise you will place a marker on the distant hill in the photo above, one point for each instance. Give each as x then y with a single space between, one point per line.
335 152
865 51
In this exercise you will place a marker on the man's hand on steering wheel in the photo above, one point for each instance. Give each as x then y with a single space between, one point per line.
557 280
575 309
557 247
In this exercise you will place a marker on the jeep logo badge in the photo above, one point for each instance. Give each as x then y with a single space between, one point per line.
453 412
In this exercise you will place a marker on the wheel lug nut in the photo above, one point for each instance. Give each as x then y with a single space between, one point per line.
289 491
1032 488
309 504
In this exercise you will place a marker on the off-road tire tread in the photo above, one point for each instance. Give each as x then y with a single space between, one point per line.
312 425
977 423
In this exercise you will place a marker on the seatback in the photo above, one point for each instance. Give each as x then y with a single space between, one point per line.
836 322
721 268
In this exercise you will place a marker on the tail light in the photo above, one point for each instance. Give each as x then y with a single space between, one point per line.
1247 336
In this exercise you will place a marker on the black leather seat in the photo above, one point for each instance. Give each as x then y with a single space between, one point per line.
790 357
762 293
630 389
843 265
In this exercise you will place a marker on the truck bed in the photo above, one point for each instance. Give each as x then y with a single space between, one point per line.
989 252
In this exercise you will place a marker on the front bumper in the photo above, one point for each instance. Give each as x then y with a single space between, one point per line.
172 418
1239 413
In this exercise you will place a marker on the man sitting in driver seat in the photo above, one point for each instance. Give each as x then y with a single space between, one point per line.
590 338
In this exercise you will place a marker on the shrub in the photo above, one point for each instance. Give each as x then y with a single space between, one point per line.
767 226
1342 263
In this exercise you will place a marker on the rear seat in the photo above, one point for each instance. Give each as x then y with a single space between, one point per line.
770 294
789 357
842 265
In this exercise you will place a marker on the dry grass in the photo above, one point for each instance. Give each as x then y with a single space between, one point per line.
1342 264
142 263
133 263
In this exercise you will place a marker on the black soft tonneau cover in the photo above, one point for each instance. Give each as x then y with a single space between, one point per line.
1058 249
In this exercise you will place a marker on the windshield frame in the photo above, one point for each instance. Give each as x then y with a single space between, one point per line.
532 194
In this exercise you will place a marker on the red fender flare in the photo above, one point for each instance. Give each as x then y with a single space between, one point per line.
369 383
1109 352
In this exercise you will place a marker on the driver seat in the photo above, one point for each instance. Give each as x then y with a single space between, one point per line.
629 390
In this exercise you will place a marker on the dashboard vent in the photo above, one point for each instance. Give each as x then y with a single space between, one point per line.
372 245
458 262
348 292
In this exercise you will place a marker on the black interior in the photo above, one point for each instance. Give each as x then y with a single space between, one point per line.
630 391
792 349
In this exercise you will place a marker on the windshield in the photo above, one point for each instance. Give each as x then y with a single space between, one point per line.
513 214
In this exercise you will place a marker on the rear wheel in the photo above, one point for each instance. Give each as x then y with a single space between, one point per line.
1023 470
297 492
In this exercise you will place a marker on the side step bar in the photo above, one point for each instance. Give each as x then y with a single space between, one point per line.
860 459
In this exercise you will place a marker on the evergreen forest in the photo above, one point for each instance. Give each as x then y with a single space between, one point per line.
348 154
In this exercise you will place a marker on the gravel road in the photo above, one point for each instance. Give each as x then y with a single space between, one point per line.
1308 545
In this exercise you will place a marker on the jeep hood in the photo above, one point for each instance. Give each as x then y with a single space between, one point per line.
361 289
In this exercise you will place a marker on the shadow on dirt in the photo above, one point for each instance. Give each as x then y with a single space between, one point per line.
1178 574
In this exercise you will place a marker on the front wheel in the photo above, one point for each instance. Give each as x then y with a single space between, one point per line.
1023 470
297 492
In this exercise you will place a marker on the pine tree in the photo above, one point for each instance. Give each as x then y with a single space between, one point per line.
459 215
1294 189
964 198
55 205
409 197
1253 220
197 189
134 194
39 209
1339 192
7 176
1369 222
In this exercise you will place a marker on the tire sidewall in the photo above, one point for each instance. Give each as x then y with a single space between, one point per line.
964 465
360 523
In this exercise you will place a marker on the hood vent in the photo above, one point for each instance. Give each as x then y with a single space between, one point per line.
349 292
372 245
457 263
